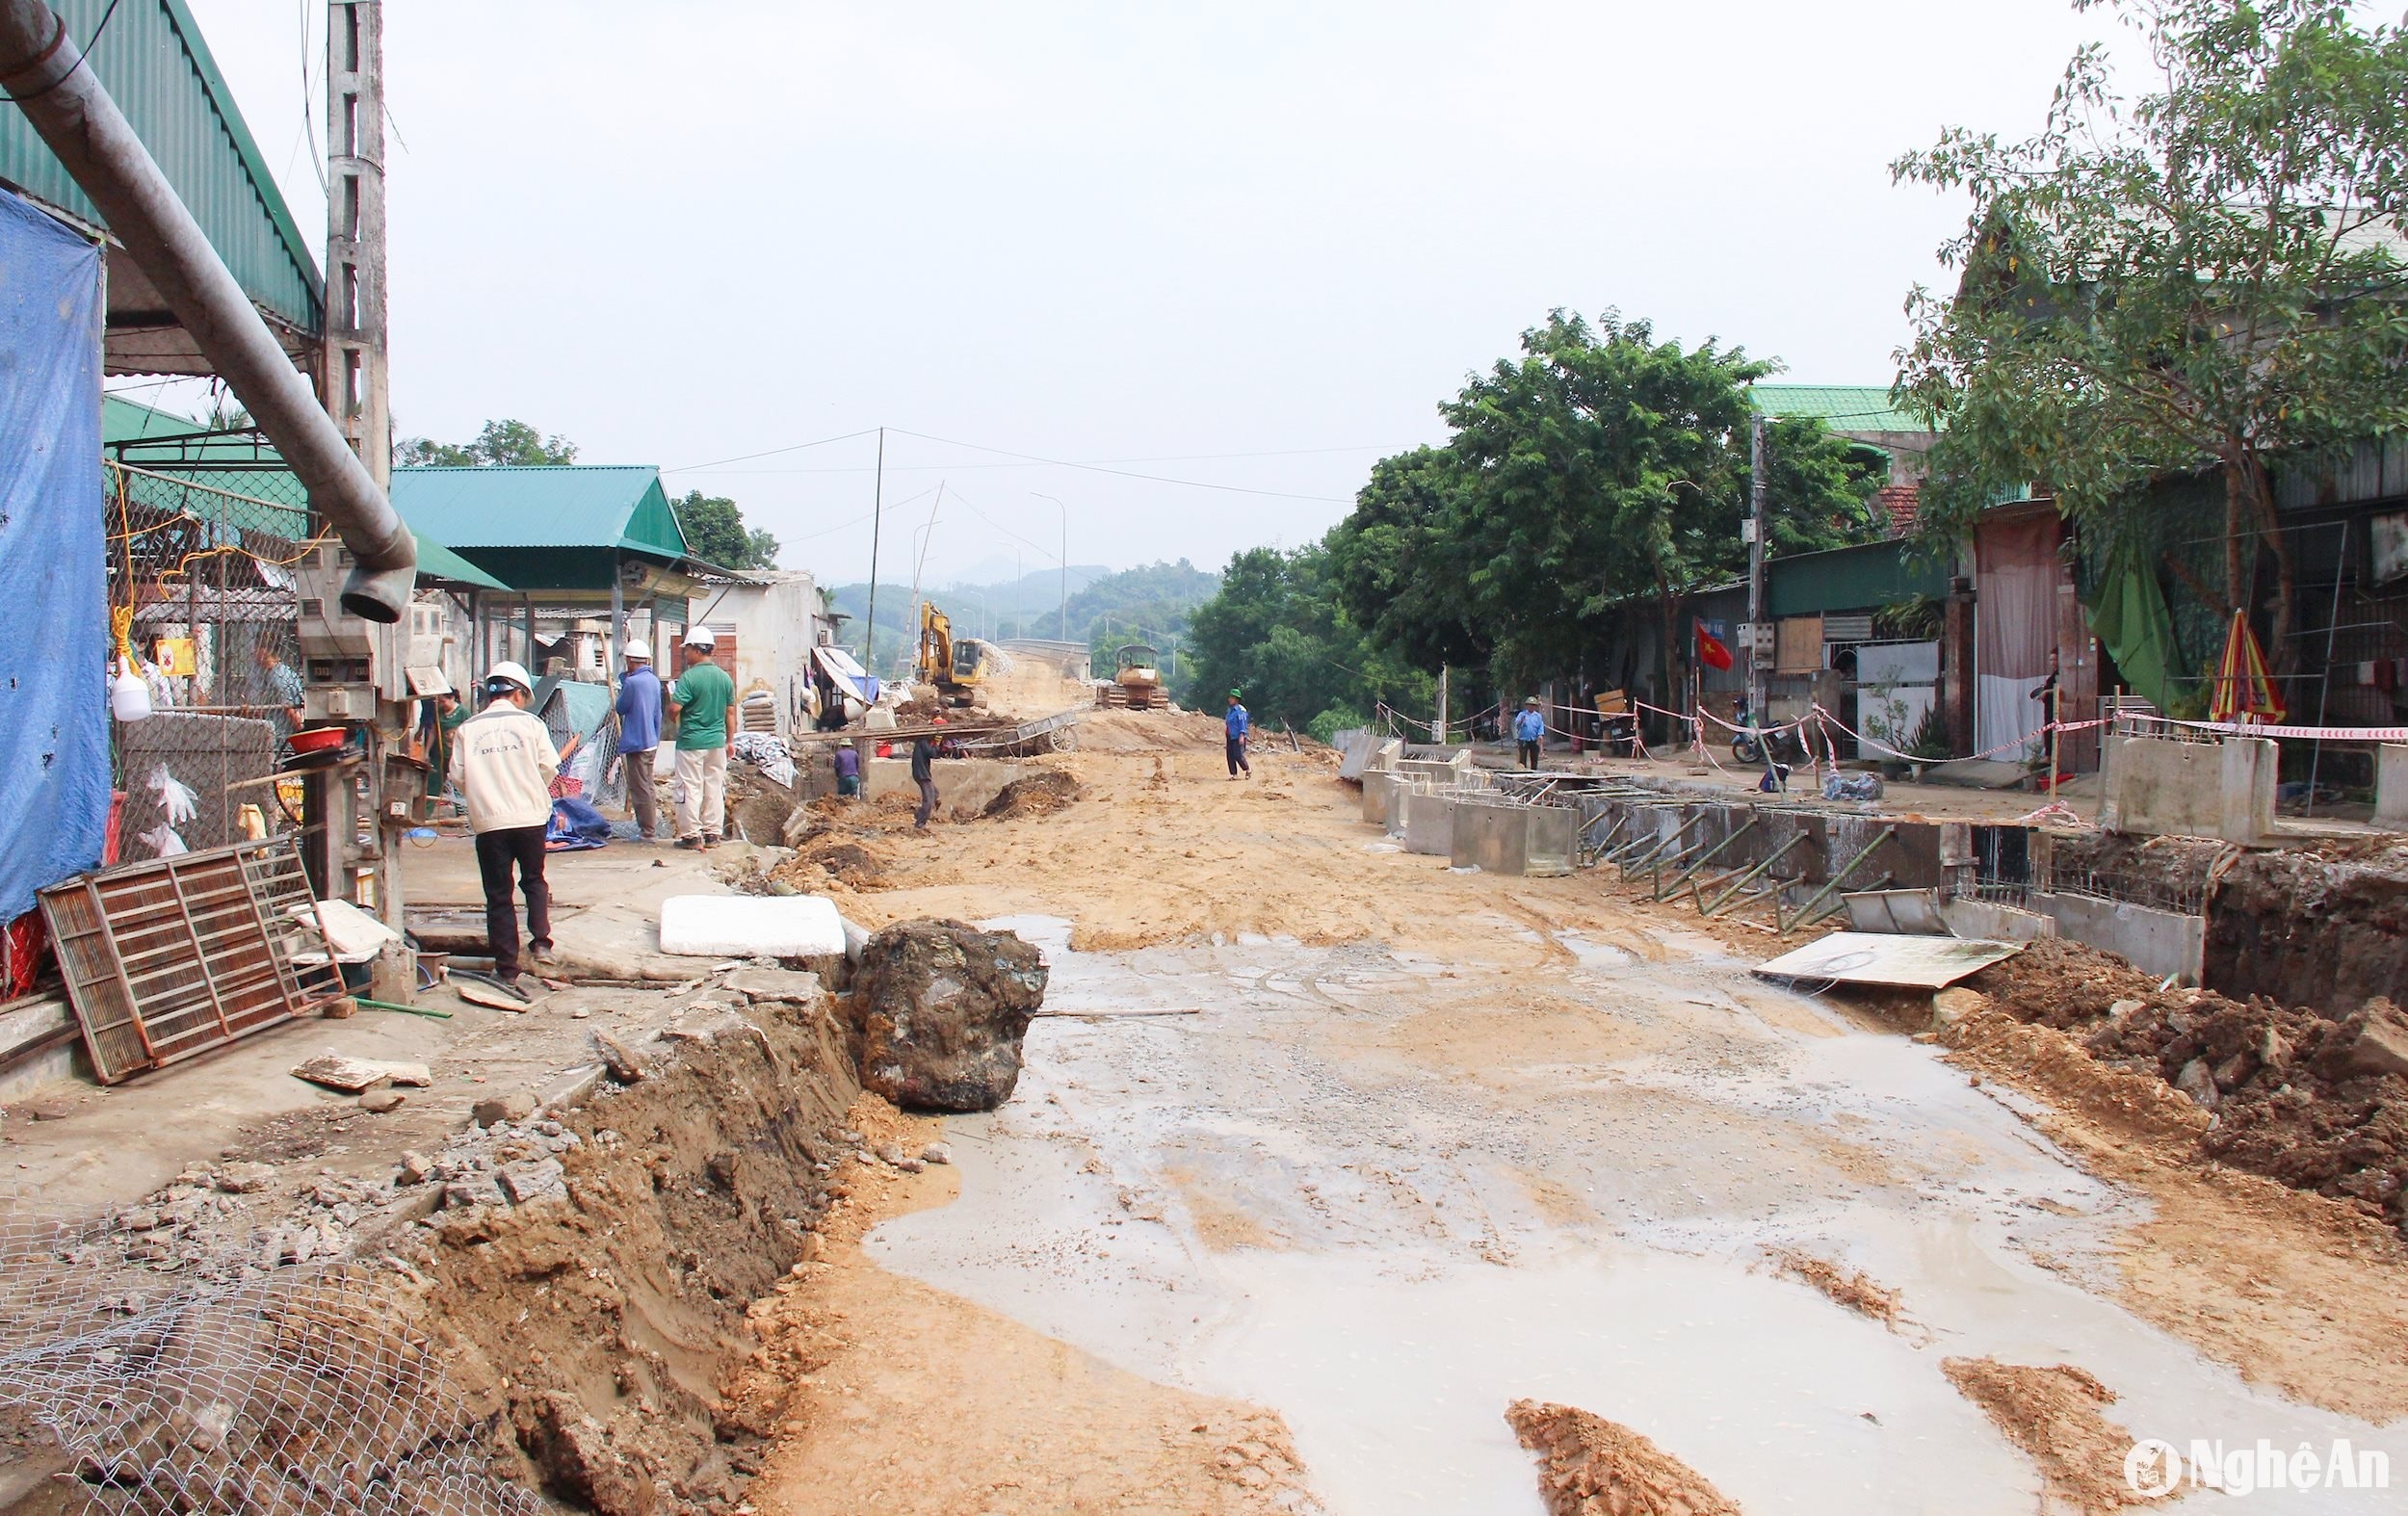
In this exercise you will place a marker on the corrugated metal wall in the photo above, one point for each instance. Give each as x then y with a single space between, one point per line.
153 61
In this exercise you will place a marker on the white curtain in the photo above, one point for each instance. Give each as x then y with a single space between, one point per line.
2016 571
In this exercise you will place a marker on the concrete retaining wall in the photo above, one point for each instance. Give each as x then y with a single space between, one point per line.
2158 942
2391 785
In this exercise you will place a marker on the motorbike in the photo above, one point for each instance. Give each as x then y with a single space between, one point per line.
1748 749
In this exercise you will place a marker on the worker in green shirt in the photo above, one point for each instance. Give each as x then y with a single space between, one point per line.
703 701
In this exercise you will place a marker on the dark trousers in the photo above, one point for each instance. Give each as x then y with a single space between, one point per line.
640 794
927 803
1237 755
1529 755
498 852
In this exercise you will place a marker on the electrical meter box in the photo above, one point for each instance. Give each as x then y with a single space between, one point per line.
348 663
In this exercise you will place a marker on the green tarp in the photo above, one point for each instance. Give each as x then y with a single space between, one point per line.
2129 615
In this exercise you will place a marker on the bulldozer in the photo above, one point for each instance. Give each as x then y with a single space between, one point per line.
1137 685
957 666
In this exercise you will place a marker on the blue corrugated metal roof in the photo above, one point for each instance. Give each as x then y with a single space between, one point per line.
1842 408
574 504
156 65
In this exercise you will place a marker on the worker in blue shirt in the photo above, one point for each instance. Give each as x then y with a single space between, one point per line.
1238 724
1529 729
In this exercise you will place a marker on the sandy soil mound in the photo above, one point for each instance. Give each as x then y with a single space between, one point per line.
1589 1466
2053 1414
1039 794
1148 732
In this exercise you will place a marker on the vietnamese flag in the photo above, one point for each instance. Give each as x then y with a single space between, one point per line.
1710 649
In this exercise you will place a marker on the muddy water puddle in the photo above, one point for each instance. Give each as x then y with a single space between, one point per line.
1385 1196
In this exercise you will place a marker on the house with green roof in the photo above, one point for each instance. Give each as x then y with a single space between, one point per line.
593 550
1865 415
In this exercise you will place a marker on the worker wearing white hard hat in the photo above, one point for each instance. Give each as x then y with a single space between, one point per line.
640 734
704 702
505 764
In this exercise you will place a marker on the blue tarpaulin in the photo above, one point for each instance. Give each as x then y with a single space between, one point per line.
53 713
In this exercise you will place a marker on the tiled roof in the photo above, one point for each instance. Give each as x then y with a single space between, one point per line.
1899 501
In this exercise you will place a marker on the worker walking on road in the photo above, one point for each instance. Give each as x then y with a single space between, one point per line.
640 734
1237 724
923 775
505 763
704 700
1529 731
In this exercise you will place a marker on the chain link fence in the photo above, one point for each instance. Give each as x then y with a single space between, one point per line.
202 587
182 1380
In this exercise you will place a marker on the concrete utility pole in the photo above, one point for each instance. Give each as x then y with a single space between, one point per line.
353 382
1441 735
1757 492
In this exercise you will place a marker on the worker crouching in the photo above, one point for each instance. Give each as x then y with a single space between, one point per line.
504 762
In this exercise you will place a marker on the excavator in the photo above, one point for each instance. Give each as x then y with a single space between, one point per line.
957 666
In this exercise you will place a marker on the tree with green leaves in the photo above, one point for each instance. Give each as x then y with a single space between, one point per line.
716 533
1600 469
498 444
1276 633
2203 279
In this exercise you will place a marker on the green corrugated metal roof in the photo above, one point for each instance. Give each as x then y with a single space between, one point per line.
437 561
573 505
1842 408
156 65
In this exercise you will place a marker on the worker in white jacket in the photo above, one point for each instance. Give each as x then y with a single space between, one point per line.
505 763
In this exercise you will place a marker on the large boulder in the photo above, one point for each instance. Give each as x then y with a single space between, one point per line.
937 1011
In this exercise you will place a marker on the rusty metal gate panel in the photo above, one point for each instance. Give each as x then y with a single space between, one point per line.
174 957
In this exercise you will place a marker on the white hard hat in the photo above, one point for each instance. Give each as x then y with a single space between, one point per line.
700 637
640 648
507 669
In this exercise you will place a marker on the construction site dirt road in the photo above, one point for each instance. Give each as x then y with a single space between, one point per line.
1326 1155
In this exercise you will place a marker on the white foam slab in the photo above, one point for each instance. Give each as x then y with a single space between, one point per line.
750 925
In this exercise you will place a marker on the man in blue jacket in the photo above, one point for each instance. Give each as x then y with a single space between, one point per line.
1529 731
1237 723
639 733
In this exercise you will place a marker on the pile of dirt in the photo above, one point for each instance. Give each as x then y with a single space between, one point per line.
599 1330
2314 1102
937 1011
1039 794
2053 1414
2057 982
1589 1466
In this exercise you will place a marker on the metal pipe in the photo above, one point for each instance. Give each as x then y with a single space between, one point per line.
1683 876
43 70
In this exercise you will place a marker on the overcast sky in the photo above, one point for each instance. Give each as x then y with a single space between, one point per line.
1247 244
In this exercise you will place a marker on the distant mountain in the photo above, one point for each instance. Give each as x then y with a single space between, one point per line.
1149 602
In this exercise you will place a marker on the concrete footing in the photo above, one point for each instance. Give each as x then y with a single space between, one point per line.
2158 786
1501 837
